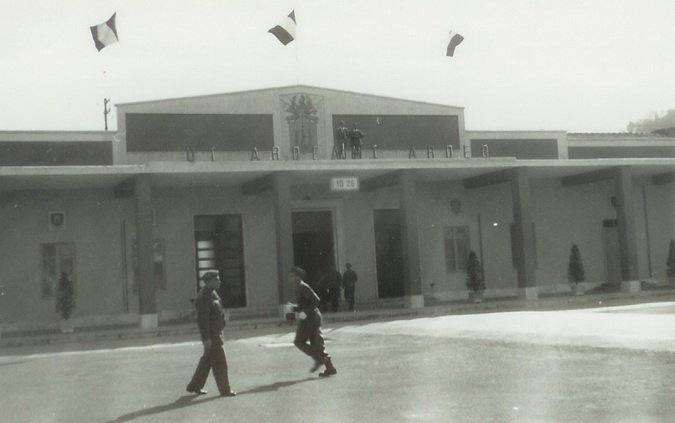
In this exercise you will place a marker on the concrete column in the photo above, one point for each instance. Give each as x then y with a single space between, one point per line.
146 284
525 251
412 271
281 187
625 211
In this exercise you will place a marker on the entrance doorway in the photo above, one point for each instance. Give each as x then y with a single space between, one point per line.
220 247
610 233
314 243
388 253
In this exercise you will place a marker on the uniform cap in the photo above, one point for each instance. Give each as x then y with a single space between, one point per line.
209 276
298 271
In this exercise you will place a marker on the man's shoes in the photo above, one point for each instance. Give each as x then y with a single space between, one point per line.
316 366
229 394
328 372
196 391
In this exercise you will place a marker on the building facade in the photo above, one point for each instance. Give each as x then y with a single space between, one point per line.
251 183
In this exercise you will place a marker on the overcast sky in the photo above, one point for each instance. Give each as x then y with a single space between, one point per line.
576 65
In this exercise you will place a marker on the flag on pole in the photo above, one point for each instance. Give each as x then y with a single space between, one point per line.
454 40
105 34
285 31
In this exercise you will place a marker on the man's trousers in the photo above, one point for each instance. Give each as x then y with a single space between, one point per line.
310 330
212 359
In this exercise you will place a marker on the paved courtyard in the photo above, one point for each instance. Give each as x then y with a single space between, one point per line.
595 365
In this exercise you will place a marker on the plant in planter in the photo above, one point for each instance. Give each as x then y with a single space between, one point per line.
670 271
475 281
575 271
65 301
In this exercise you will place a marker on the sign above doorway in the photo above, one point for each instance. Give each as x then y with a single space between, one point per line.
344 184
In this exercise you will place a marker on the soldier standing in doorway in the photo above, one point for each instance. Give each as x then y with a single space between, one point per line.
211 322
349 279
333 283
309 324
355 137
341 139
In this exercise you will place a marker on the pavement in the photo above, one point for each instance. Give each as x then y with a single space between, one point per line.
368 312
600 364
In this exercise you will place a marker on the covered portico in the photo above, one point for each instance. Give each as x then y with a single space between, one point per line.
267 193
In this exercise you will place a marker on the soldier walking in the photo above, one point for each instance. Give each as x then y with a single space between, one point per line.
211 322
309 325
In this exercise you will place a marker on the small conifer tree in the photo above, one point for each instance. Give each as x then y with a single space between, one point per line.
575 267
65 296
475 280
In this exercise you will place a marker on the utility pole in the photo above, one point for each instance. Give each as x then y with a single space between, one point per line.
106 110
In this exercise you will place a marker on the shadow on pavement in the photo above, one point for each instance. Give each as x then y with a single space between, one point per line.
188 400
275 386
184 401
9 363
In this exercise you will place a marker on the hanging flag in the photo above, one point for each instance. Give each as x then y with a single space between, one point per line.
285 31
105 34
454 40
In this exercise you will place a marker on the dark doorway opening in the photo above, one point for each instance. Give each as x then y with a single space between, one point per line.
220 247
388 253
314 243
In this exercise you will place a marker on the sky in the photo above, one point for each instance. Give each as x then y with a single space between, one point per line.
574 65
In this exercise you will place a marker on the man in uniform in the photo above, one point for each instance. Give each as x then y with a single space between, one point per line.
309 325
333 283
355 137
349 279
341 139
211 322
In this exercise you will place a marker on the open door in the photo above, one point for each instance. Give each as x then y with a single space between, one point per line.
314 243
389 253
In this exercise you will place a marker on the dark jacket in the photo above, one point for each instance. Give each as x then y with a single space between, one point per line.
210 315
333 280
349 278
307 300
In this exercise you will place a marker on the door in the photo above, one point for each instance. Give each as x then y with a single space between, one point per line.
314 243
388 253
220 247
610 229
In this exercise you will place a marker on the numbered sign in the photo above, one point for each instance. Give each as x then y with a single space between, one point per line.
344 184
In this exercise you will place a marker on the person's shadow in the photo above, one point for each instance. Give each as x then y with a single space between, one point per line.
184 401
275 386
188 400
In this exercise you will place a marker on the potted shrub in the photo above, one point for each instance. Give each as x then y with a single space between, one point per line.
65 301
475 281
575 271
670 271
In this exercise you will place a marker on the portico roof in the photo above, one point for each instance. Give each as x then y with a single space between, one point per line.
229 174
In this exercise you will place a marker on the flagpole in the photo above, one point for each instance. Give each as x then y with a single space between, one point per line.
297 58
297 66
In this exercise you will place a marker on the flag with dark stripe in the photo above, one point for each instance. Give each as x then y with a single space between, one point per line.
285 31
105 34
454 41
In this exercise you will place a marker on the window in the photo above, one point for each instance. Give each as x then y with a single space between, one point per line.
157 261
57 260
456 248
219 244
